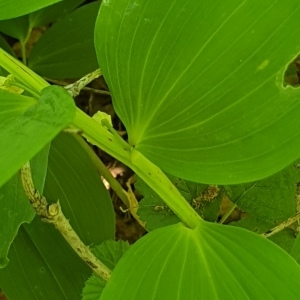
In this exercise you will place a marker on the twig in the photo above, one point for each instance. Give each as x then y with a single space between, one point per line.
53 214
281 226
228 213
297 203
75 88
86 88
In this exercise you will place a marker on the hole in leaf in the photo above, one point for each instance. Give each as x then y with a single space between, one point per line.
292 73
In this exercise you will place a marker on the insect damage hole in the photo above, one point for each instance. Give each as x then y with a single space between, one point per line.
291 75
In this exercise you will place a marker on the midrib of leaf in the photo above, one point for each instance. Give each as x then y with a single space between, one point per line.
152 113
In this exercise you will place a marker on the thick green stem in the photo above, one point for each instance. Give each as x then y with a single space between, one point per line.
162 185
20 71
114 145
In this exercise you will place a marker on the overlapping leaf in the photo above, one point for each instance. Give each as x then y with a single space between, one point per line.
27 128
66 50
109 253
41 262
15 8
205 199
210 262
15 206
272 198
52 13
73 180
199 85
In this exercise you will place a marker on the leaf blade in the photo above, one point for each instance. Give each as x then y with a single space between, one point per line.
66 50
181 263
24 135
203 99
12 9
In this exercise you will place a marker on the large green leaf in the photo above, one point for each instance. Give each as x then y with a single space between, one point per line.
17 27
73 180
66 50
211 261
15 8
42 265
199 84
25 132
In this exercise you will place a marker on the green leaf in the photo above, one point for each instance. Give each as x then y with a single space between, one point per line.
5 46
15 8
43 266
272 198
17 27
73 180
93 288
199 85
285 239
52 13
15 206
295 251
205 199
25 132
66 50
41 262
211 261
13 105
15 210
109 253
254 224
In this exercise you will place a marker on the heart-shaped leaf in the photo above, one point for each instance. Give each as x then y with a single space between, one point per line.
199 84
211 261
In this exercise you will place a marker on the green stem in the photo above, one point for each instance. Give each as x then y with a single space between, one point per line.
21 72
162 185
228 213
102 169
113 144
25 88
23 51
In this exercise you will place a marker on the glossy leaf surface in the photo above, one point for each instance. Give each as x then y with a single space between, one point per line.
66 50
210 262
199 85
24 132
15 8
